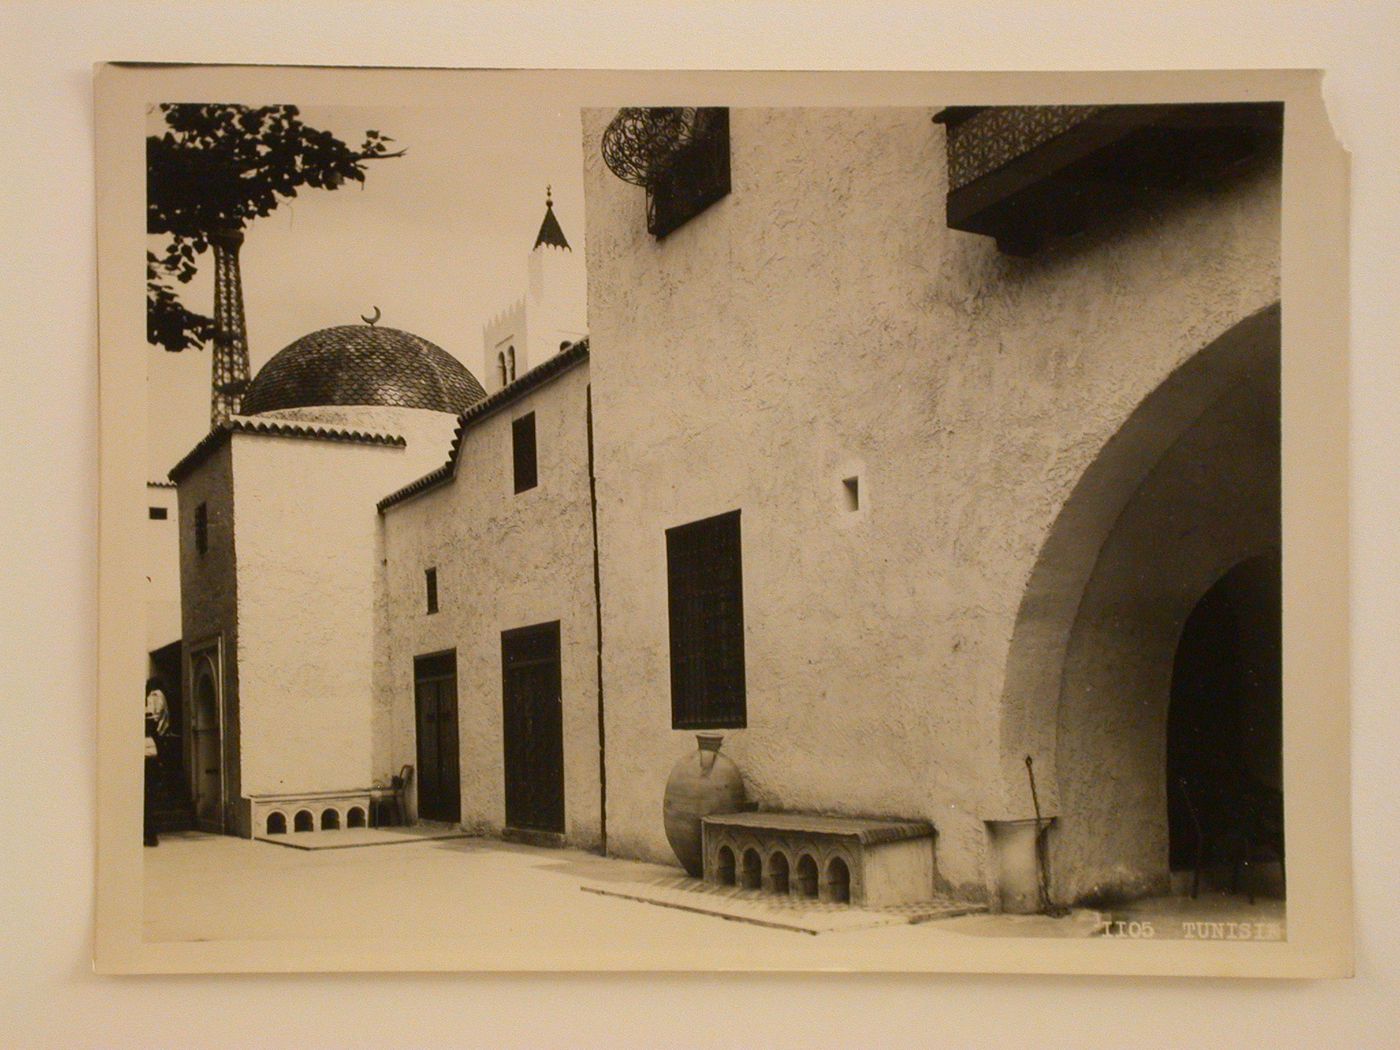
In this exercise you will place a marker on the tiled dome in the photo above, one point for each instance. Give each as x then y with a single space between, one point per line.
361 364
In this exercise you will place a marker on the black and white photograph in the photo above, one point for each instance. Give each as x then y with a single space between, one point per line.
699 524
841 530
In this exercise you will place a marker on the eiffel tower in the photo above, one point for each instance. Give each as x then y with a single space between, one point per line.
230 365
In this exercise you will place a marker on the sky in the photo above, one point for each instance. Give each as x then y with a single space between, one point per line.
437 239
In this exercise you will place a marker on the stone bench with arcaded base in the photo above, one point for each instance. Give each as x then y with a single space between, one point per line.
869 863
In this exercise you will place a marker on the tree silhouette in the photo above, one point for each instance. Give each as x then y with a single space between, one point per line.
215 169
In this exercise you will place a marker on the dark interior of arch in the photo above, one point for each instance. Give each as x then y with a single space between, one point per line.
1225 720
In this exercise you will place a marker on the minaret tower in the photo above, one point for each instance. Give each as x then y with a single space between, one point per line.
555 298
230 364
549 315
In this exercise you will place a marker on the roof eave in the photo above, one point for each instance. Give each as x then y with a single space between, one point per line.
562 362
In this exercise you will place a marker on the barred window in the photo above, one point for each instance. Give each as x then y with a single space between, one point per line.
696 178
706 597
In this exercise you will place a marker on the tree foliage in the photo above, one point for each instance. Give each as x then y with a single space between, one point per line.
219 167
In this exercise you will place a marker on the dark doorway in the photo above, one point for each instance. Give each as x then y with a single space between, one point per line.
435 703
534 728
206 744
165 665
167 782
1225 724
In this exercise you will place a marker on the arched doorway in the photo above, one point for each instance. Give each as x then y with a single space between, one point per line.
206 746
1225 724
1188 489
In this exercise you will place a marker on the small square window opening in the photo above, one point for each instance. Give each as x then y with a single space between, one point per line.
159 514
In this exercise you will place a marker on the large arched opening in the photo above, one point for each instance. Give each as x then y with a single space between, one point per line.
1185 493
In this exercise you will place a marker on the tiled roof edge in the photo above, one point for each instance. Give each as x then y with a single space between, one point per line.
279 428
536 377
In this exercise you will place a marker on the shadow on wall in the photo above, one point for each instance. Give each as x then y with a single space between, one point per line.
1188 489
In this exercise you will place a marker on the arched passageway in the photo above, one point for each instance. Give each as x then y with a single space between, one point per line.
1188 489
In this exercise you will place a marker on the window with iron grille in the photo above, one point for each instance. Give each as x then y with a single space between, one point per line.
696 178
201 528
706 597
523 442
430 582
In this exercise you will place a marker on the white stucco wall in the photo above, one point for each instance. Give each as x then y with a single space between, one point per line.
822 322
307 539
556 302
428 434
503 560
162 552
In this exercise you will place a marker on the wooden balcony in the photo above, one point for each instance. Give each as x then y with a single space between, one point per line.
1031 175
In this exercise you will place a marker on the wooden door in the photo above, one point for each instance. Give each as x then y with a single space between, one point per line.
439 772
533 728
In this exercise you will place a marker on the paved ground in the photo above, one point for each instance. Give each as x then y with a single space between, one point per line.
203 887
675 889
355 838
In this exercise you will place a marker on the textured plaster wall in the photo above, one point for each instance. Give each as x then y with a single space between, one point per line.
503 560
307 539
822 322
208 607
1211 503
162 569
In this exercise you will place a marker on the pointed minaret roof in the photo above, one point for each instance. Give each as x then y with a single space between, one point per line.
550 231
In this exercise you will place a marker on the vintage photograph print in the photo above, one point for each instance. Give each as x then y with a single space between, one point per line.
838 523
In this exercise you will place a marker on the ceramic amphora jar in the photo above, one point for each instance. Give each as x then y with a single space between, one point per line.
701 783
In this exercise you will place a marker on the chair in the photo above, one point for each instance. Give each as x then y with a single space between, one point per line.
1236 820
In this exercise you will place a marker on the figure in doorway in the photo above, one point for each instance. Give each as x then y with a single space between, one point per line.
157 741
